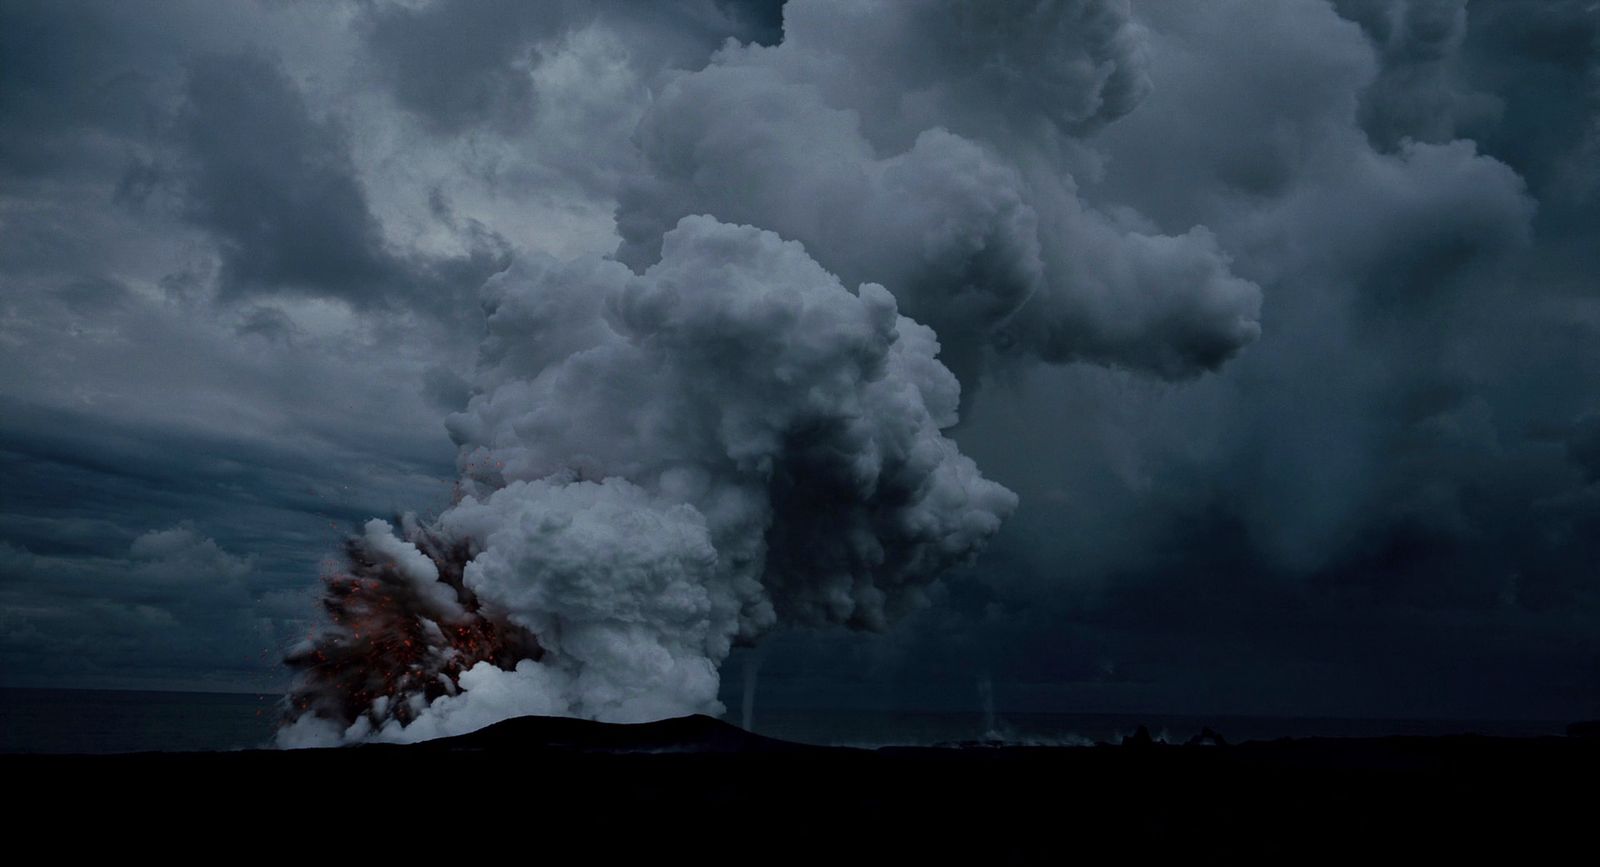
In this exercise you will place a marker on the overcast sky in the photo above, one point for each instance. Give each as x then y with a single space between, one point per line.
1281 319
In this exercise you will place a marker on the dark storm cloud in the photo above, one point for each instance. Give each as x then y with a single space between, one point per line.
1583 447
460 64
1542 60
137 395
184 463
143 613
465 65
82 486
1382 506
1418 92
196 119
277 188
1387 505
72 85
268 323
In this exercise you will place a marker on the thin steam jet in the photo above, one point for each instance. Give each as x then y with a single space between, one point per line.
713 434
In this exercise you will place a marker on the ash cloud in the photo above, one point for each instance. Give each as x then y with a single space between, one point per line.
1399 456
481 55
931 147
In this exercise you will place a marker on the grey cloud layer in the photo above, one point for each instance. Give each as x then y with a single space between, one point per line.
462 65
278 190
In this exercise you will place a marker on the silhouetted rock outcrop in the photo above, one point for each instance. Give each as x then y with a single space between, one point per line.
688 734
1140 738
1585 729
1207 738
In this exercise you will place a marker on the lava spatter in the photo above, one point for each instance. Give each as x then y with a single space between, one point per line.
393 644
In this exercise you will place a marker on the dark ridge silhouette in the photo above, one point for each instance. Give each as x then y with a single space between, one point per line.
1584 729
1207 737
699 785
688 734
1139 739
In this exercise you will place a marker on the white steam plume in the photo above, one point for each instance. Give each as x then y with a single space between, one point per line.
654 467
710 435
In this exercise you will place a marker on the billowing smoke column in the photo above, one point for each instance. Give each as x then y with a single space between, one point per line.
711 435
655 467
931 146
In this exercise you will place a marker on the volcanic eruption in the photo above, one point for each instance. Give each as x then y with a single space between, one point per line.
732 424
655 467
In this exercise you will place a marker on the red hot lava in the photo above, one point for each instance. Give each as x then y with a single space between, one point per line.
392 646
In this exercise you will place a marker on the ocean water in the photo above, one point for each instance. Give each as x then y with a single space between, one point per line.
115 721
126 721
873 729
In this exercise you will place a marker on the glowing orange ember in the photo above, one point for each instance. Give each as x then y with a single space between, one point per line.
386 651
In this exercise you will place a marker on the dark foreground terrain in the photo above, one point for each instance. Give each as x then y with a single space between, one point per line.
703 790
